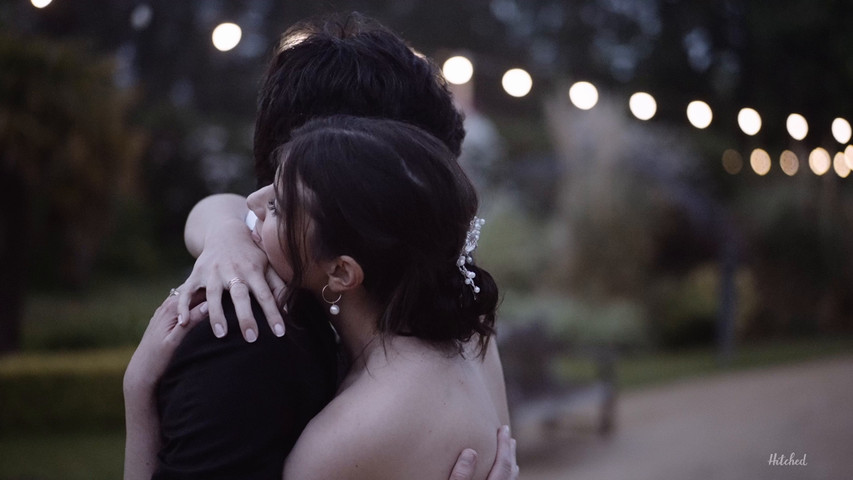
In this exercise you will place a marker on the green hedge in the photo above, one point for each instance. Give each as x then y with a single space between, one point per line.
62 391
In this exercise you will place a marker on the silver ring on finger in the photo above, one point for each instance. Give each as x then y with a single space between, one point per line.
174 292
232 282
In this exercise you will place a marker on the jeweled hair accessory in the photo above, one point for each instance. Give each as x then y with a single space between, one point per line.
471 239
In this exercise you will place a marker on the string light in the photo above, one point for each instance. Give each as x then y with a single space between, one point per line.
760 161
226 36
699 114
517 82
819 161
789 163
458 70
841 130
839 164
732 162
848 155
643 105
749 121
797 126
583 95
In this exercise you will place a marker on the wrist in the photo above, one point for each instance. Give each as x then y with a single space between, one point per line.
138 385
209 213
139 381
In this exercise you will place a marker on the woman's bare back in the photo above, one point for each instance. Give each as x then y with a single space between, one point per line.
407 415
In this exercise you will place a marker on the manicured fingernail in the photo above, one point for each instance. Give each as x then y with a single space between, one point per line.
180 319
203 308
251 336
279 330
218 330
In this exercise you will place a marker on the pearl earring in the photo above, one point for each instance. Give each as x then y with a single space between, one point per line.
334 309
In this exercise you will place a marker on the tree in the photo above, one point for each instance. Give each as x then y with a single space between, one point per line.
65 154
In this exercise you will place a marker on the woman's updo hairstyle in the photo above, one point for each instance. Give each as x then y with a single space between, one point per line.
394 198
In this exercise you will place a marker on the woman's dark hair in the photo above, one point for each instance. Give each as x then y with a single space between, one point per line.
348 65
394 198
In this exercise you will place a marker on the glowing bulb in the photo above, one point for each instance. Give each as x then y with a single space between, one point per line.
458 70
583 95
749 121
643 105
517 82
226 36
819 161
789 163
839 163
140 17
760 161
40 3
699 114
732 162
848 154
841 130
797 126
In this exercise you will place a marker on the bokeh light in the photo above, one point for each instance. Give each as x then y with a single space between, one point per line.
848 154
841 130
749 121
699 114
797 126
40 3
226 36
839 164
789 163
760 161
458 70
643 105
819 161
732 161
583 95
517 82
141 16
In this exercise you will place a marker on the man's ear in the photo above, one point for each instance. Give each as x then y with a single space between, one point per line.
344 273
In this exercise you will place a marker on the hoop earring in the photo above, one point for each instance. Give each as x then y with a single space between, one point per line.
334 309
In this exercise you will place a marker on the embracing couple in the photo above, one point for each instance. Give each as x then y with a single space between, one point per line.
377 360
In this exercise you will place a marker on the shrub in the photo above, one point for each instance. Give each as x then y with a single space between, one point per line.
63 391
113 313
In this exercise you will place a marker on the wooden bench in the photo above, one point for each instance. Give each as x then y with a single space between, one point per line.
538 395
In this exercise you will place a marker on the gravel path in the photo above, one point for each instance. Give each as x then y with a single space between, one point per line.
722 428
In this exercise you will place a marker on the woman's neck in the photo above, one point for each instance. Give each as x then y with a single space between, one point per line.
356 326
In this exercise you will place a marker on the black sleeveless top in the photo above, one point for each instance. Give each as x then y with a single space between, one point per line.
233 410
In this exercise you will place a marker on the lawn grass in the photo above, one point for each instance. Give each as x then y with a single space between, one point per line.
637 371
62 456
652 370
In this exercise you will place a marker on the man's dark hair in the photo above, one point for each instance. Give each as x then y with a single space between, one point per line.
349 65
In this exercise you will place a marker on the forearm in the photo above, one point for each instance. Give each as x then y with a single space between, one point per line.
210 214
164 333
142 440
